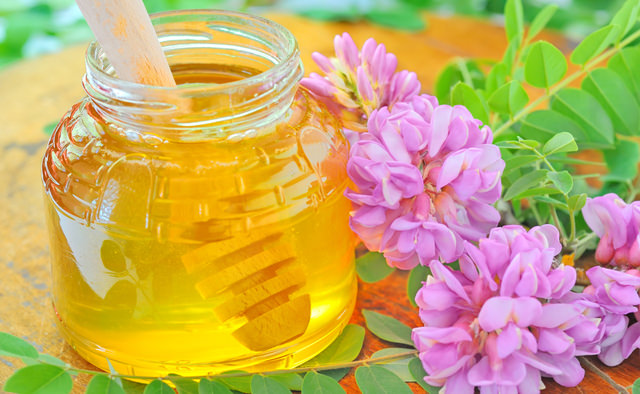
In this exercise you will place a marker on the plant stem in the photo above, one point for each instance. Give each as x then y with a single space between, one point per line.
591 366
572 220
585 239
550 92
532 205
466 76
633 191
326 367
556 220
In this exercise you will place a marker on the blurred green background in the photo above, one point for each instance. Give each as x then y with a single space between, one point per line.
32 27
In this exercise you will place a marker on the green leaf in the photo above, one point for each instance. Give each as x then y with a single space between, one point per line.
418 373
533 144
387 327
622 161
400 366
336 374
528 181
513 20
207 386
626 17
509 99
586 111
509 57
463 94
627 63
12 346
292 381
417 275
265 385
577 202
238 383
158 387
316 383
373 379
561 142
635 389
19 27
344 349
102 384
571 160
545 65
496 78
540 21
517 208
544 124
401 17
515 162
615 97
46 359
372 267
448 77
594 44
519 144
537 192
552 201
562 180
452 74
184 385
39 379
132 387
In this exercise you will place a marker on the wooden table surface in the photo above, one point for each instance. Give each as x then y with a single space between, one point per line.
36 92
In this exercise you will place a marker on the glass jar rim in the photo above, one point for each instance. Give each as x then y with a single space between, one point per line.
291 54
213 39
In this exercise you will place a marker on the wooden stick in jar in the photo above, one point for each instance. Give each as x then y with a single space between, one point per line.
124 30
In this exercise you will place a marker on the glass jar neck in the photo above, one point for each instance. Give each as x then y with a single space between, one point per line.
236 73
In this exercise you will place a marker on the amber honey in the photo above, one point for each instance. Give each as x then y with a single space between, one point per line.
194 256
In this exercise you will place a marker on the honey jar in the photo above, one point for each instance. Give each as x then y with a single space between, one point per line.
200 228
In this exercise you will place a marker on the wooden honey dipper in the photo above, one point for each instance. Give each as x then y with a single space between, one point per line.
125 33
255 277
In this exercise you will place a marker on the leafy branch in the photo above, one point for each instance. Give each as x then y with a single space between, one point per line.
540 186
564 83
396 365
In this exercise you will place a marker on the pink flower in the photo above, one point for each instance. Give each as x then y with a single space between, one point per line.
426 176
360 80
617 224
490 325
611 295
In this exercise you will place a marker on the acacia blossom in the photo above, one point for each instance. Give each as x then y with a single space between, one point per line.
618 226
610 297
425 176
360 80
490 325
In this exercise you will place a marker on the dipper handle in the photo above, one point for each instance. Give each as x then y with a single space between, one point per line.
124 30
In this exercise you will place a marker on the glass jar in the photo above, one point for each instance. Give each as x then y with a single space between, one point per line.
200 228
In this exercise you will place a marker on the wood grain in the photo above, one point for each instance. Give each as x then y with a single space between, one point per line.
37 92
125 32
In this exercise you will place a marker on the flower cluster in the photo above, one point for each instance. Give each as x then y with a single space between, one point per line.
360 80
610 297
426 176
485 325
508 317
618 226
